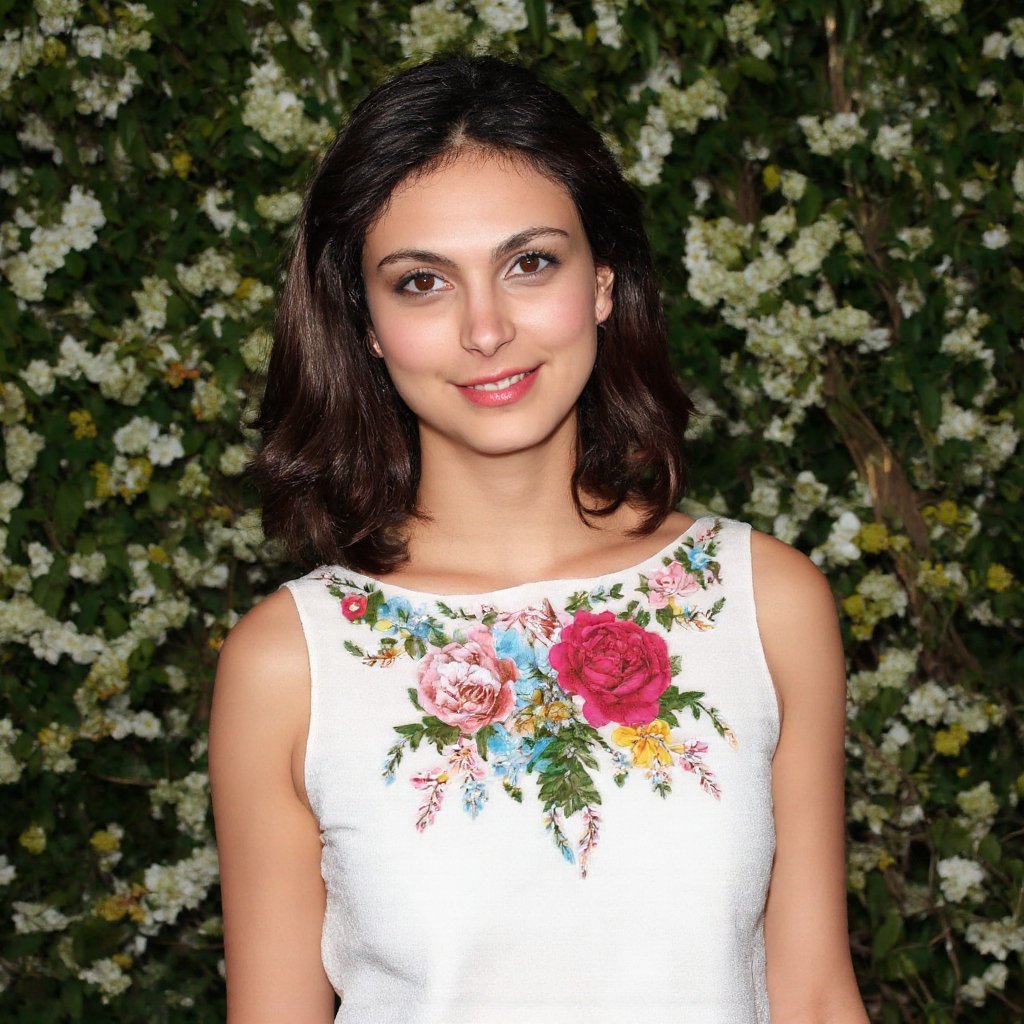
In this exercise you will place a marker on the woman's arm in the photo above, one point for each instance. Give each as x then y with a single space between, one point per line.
267 839
809 968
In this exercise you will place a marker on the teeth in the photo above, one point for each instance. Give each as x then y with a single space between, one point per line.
499 385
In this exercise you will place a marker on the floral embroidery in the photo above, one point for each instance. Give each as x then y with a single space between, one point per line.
505 694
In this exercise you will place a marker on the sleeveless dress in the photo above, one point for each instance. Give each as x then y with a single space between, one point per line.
547 804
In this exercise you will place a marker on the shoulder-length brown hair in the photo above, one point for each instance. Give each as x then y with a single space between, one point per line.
338 463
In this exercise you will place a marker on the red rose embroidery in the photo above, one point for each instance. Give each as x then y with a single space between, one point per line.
619 669
354 607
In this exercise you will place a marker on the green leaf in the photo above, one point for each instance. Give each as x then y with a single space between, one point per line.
887 935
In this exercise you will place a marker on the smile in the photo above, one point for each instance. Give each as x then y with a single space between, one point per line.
499 385
501 392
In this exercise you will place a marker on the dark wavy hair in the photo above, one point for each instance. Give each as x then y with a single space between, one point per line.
338 463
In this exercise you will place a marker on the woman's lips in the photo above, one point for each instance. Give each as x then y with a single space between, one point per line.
503 391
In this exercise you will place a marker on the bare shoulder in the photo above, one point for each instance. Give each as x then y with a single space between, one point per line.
262 683
268 638
796 614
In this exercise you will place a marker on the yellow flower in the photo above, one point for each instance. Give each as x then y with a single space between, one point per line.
932 578
873 537
556 711
950 741
947 513
54 51
82 421
157 554
103 841
998 578
885 860
771 177
112 908
244 287
33 839
182 164
123 960
101 471
649 742
854 606
962 771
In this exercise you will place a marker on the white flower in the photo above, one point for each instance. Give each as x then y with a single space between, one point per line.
835 134
809 494
1017 178
896 736
8 872
793 185
609 31
893 141
176 887
90 41
107 975
87 567
996 237
22 449
40 558
996 938
56 16
152 302
212 271
211 204
135 436
502 16
39 376
234 459
271 108
279 207
432 26
163 450
1015 26
37 917
961 879
995 46
740 23
839 548
702 191
978 802
103 94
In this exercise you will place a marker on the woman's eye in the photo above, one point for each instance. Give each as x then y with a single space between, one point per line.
532 263
421 283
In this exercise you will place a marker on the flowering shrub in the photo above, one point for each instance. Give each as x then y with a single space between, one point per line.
836 202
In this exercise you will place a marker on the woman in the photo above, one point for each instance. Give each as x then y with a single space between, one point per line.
514 749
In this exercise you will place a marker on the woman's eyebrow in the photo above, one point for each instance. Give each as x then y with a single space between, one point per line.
506 248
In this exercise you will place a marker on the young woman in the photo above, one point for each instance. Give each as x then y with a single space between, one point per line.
525 743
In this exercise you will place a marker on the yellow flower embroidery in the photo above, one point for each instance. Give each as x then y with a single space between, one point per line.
649 743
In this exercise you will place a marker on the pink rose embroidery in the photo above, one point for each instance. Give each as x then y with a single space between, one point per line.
619 669
468 685
669 582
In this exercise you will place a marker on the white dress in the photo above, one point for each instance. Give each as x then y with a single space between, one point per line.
547 804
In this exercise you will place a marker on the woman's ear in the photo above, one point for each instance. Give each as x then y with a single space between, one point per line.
373 344
603 299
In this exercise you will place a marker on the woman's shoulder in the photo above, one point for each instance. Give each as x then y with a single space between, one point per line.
270 630
263 665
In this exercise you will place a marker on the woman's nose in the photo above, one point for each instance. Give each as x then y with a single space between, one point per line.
486 323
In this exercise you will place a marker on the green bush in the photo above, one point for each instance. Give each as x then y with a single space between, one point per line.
835 196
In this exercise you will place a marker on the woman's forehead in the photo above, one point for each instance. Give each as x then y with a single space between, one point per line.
474 195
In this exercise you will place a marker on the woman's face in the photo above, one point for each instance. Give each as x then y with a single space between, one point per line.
480 273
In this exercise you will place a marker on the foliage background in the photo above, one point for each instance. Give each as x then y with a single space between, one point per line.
836 199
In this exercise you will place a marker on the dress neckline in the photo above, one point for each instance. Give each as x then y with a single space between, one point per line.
588 583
